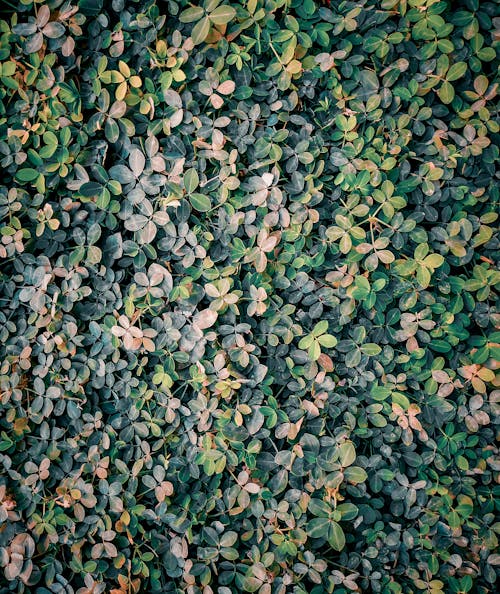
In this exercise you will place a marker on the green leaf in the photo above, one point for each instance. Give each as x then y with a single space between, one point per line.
355 475
433 261
341 122
347 454
191 180
194 13
27 174
314 351
353 358
336 536
210 5
94 233
200 202
345 244
348 511
103 199
440 346
90 189
320 328
406 267
423 276
306 342
318 528
456 71
446 92
94 254
201 30
421 251
5 443
377 420
327 340
380 393
319 508
111 130
371 349
222 14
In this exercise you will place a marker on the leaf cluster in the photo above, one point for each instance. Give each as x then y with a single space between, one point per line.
249 325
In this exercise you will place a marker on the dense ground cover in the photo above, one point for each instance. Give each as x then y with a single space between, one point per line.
248 282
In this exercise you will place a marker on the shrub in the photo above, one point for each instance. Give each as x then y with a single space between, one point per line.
249 330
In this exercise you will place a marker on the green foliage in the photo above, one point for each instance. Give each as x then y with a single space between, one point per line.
248 274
